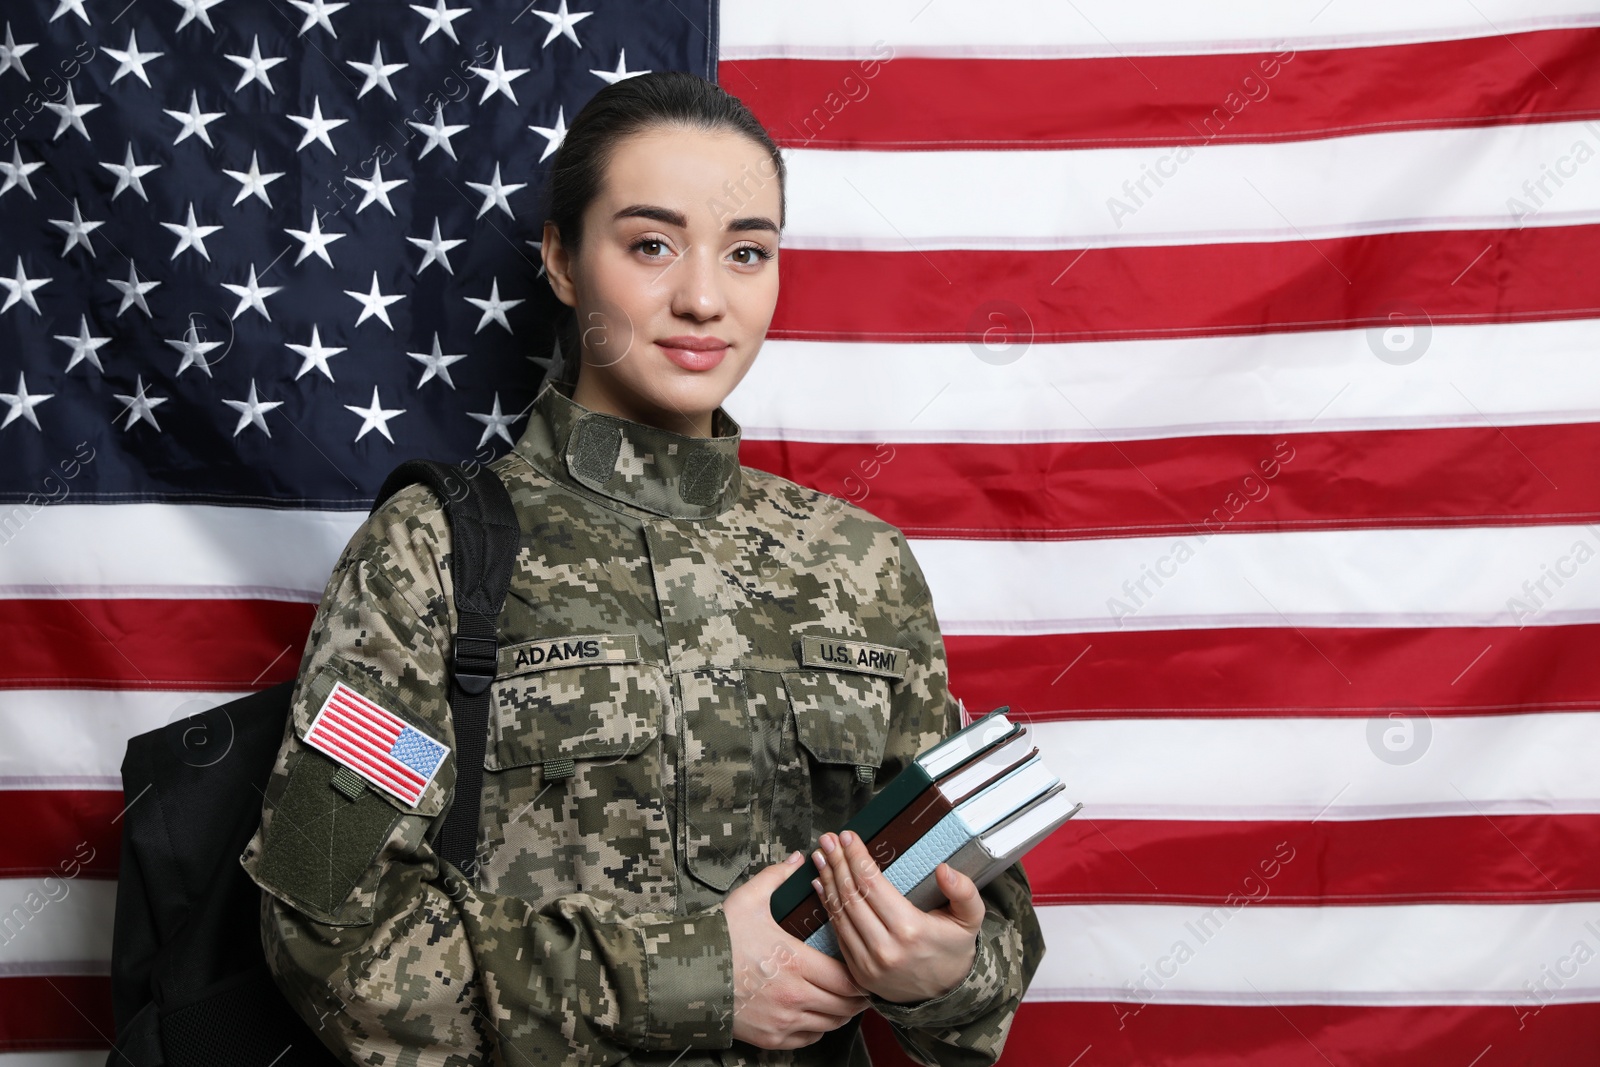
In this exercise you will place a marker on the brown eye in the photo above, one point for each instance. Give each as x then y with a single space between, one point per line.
643 241
757 254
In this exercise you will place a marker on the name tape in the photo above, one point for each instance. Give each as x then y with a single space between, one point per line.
846 654
572 651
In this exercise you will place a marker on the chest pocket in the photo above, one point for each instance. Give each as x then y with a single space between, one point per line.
559 701
587 714
841 700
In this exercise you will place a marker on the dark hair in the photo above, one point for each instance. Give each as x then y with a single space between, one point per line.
624 108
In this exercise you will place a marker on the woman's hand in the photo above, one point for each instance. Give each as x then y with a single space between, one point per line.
892 947
786 994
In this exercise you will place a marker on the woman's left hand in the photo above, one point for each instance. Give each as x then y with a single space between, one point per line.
893 948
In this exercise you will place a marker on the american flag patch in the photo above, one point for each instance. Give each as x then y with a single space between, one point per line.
375 743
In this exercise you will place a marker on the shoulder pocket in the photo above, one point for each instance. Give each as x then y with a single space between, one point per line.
563 699
320 843
328 821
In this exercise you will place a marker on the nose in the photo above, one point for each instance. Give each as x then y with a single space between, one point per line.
697 288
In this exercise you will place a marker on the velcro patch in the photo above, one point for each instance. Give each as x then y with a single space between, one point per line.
848 654
574 651
359 733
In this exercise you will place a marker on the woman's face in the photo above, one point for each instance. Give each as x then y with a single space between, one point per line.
676 277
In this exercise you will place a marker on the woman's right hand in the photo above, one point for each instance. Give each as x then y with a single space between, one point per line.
786 994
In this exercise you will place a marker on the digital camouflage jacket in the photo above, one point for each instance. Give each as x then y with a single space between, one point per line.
667 718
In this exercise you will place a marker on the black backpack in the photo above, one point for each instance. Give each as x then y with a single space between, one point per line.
189 981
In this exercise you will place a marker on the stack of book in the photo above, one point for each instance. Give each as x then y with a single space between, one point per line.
977 800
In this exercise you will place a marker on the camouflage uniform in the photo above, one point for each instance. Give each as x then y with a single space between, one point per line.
668 717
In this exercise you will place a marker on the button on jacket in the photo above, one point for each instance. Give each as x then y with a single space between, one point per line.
668 716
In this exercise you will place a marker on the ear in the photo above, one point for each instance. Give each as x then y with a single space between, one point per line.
558 265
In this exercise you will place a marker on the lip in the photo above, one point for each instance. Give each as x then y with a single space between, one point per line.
694 353
693 343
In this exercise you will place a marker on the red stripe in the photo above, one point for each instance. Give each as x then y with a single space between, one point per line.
41 1012
53 832
356 731
1281 671
38 1012
381 750
1216 671
331 729
1101 1034
1543 272
1467 859
1442 860
356 715
377 774
347 718
344 749
330 735
227 645
920 103
383 714
1477 476
377 719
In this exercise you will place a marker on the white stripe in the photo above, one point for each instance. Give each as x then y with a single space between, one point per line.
1293 382
1455 576
1411 954
1385 955
844 29
1327 769
171 550
1299 768
1534 575
1410 180
55 925
1373 577
76 738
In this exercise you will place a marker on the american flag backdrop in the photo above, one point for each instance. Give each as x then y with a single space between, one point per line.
1232 368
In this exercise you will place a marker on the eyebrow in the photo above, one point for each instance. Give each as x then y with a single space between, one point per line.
676 218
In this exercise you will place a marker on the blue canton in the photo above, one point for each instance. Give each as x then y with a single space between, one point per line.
418 751
257 256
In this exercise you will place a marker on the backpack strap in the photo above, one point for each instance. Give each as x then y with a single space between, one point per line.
484 537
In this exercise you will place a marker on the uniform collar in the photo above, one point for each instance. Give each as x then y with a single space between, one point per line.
652 469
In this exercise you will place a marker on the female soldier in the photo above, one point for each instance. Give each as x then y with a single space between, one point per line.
665 725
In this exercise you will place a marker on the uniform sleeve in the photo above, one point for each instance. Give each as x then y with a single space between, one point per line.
966 1026
380 944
